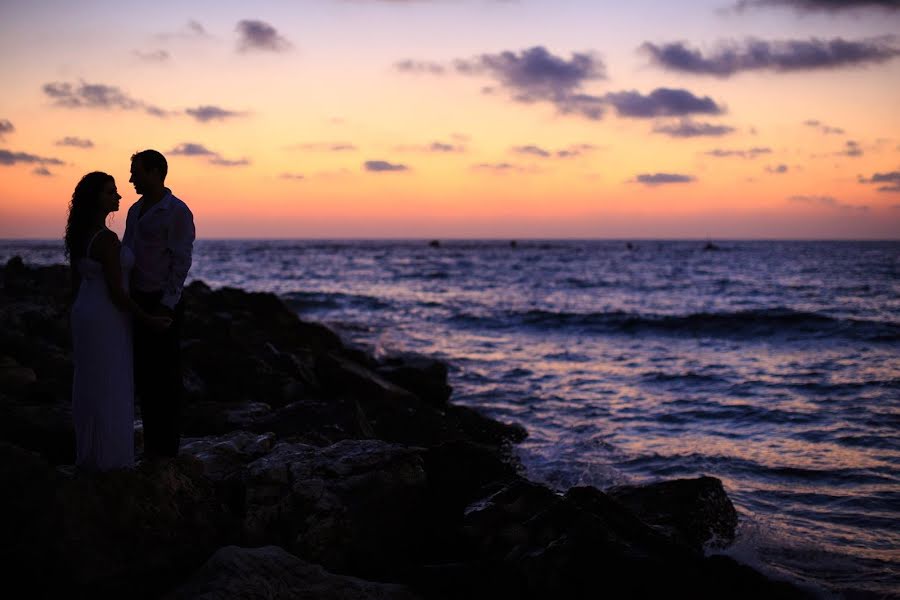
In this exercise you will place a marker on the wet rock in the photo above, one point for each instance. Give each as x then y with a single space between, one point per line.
692 512
423 376
270 573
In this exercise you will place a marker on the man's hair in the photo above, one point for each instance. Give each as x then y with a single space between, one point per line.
151 159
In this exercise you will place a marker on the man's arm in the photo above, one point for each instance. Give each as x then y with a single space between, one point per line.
181 244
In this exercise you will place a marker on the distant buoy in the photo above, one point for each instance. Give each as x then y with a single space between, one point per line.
434 244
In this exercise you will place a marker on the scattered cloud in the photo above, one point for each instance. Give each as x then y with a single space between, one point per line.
750 153
97 95
42 172
689 128
192 30
75 142
827 202
653 179
8 157
661 102
821 5
420 67
851 148
436 147
325 147
214 158
570 152
225 162
5 127
153 56
532 150
536 75
826 129
891 181
778 169
382 166
501 167
730 57
259 35
575 150
191 149
208 113
292 176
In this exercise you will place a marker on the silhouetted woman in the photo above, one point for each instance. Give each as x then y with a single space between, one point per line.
103 387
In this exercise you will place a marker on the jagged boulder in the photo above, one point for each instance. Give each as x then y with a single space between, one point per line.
692 512
271 573
355 506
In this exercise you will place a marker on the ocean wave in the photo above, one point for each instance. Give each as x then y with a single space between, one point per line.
778 322
305 301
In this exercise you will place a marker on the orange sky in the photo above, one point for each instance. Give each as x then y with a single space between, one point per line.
292 80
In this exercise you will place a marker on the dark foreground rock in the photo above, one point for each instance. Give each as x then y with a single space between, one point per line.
270 573
312 470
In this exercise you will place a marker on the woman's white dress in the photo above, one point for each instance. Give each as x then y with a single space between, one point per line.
103 387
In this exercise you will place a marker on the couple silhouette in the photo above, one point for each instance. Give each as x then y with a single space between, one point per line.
127 315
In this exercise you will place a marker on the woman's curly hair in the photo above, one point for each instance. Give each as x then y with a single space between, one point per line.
82 210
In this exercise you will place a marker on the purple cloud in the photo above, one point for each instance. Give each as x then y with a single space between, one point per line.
731 58
420 67
5 127
42 172
536 75
653 179
97 95
778 170
662 102
155 56
325 147
292 176
821 5
890 179
826 202
851 148
208 113
258 35
570 152
532 150
8 157
191 149
750 153
192 30
382 166
687 128
826 129
213 158
75 142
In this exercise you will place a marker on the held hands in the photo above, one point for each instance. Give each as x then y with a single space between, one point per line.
158 323
161 318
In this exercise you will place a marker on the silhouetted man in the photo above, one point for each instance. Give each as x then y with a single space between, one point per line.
160 232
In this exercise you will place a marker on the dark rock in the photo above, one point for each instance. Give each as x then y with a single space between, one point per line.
125 533
355 506
691 512
423 376
317 422
270 573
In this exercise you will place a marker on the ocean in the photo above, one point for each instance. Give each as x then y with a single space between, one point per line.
772 365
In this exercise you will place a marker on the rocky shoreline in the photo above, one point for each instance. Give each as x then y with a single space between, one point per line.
312 470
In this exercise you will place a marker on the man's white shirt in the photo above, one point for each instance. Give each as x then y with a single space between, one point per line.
162 241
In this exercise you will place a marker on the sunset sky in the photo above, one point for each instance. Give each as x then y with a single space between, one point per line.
462 118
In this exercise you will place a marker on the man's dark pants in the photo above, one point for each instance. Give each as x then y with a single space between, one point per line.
157 378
